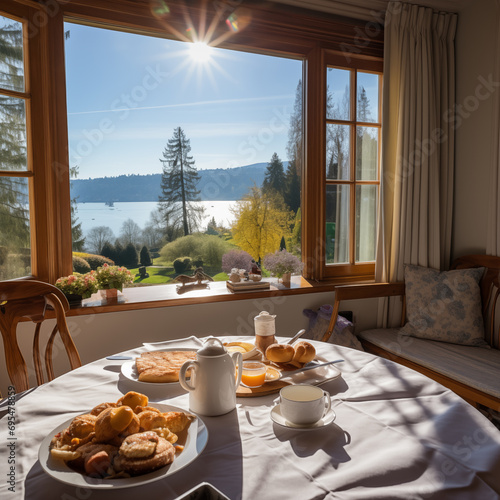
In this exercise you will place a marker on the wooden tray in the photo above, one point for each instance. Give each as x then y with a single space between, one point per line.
268 388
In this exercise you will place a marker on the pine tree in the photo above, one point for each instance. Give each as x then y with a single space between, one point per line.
14 215
178 185
294 146
292 187
129 257
78 241
109 251
145 257
274 179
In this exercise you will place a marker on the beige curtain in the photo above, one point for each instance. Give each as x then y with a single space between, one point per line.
493 229
415 216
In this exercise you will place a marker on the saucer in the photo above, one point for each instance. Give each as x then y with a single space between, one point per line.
279 419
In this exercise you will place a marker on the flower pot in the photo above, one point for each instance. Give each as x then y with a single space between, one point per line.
109 293
74 299
286 279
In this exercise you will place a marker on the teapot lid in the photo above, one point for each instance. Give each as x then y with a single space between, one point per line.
212 347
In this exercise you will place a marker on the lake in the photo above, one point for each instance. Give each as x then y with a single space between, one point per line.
98 214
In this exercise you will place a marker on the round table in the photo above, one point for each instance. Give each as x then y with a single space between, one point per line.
397 434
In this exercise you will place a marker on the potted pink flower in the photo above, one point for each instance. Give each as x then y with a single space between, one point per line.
78 286
113 277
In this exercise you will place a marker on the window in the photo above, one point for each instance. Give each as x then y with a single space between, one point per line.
15 169
352 165
132 100
337 201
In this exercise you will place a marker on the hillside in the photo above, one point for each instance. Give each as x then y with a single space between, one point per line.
215 184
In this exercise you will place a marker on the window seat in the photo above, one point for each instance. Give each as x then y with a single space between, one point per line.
476 367
470 371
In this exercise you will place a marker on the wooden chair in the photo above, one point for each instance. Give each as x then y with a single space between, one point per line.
31 299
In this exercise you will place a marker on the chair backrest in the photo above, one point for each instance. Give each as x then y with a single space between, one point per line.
490 290
32 299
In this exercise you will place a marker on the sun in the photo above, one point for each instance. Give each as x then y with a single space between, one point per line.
200 52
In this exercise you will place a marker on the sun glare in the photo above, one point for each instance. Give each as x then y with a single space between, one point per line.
200 52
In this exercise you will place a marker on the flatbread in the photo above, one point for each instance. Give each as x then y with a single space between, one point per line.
162 366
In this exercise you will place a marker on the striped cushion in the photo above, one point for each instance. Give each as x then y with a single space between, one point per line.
476 367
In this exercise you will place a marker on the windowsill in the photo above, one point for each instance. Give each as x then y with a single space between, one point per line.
149 297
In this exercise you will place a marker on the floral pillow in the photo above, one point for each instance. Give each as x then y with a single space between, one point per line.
444 306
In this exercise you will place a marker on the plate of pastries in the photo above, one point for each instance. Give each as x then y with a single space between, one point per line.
123 444
158 367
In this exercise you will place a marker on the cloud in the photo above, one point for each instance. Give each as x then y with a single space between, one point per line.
188 104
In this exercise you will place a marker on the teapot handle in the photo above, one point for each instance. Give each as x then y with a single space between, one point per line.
238 361
182 374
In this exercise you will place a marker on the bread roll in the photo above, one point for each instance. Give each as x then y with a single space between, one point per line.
303 352
280 353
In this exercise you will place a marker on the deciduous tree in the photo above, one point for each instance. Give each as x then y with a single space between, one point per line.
260 221
97 236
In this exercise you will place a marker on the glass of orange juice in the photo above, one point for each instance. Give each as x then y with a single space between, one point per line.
253 374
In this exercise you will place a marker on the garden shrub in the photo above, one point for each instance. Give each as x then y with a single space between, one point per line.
238 259
129 257
109 251
80 265
182 264
96 261
145 256
204 247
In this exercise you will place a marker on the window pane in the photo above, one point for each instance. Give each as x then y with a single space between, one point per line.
12 134
15 256
337 97
367 104
11 54
366 153
147 116
366 222
337 224
337 152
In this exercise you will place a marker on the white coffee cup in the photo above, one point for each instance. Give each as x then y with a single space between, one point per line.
304 404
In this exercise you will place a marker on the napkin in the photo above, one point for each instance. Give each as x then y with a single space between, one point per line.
187 342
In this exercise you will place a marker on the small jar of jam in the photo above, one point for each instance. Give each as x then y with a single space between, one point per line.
264 331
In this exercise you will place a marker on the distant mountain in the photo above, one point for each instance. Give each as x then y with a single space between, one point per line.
215 184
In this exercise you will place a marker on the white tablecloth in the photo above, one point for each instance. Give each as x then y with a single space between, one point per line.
397 434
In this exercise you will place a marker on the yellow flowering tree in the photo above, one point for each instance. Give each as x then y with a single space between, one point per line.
261 220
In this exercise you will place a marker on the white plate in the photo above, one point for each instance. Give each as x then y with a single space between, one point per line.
279 419
196 441
129 370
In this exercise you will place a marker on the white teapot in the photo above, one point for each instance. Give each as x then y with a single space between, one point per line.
213 383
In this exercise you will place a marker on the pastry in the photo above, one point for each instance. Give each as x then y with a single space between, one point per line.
143 452
113 424
304 353
100 407
162 366
280 353
133 399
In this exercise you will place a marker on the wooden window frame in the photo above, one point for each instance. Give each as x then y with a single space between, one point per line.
273 29
352 269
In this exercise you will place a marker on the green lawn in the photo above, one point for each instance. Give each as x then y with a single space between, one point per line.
157 275
163 275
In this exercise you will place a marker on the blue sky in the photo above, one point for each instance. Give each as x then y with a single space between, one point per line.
126 93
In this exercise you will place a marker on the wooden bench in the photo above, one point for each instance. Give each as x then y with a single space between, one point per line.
471 372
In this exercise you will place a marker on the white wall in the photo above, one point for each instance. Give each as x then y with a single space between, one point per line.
475 59
99 335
